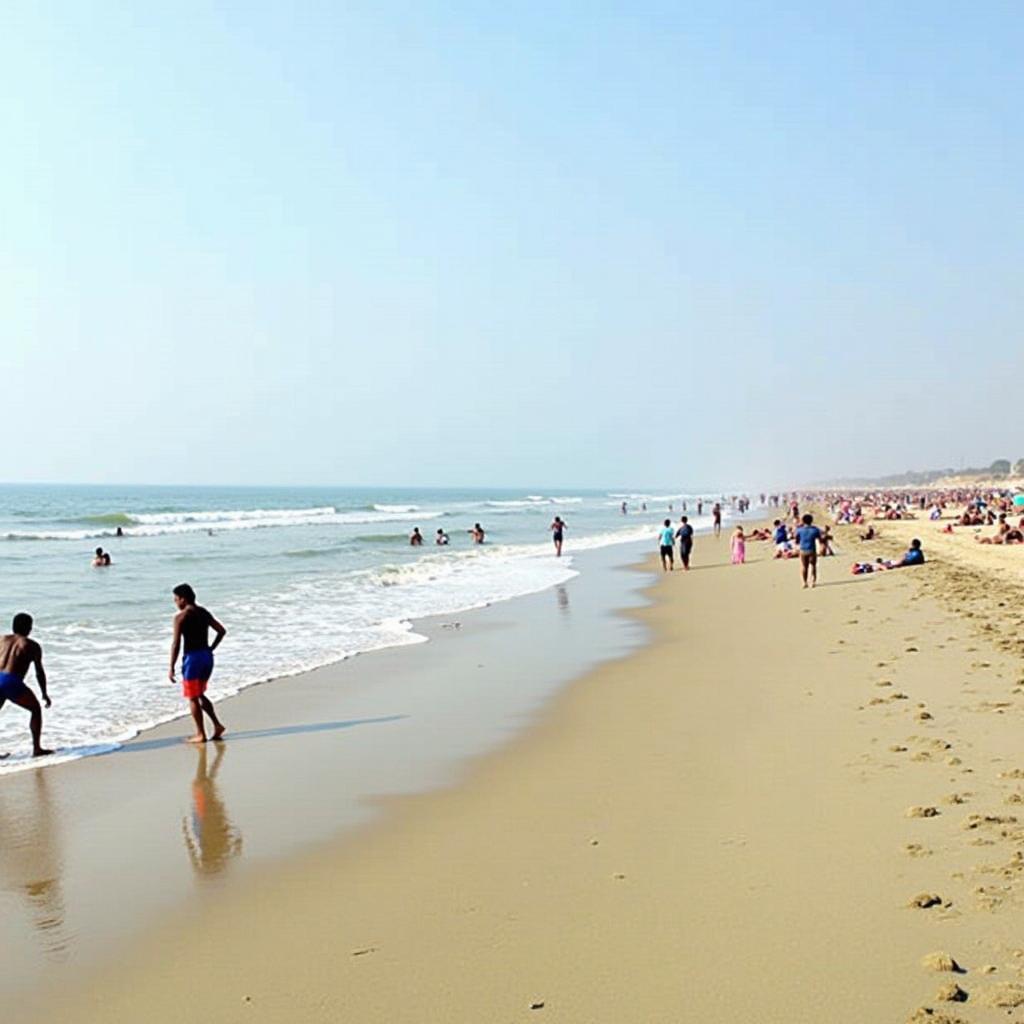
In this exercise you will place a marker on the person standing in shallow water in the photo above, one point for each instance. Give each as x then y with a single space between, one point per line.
557 532
192 627
17 655
716 518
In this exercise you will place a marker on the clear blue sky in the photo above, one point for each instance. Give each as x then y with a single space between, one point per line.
690 245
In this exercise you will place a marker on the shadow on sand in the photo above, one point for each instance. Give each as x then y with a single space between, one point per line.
260 734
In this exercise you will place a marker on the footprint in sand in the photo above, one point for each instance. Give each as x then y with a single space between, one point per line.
973 821
942 962
916 850
922 812
951 993
1008 995
925 900
926 1015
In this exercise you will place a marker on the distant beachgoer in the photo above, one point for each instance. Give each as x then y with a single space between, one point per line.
477 533
624 508
739 546
685 536
716 518
700 506
557 530
643 507
416 538
442 538
665 538
98 560
780 537
807 538
826 541
192 627
17 655
120 532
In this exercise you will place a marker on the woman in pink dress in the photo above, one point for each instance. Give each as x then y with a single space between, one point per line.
739 547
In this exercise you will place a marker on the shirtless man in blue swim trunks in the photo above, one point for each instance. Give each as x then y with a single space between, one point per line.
17 655
192 627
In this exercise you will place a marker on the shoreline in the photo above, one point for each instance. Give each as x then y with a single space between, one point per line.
407 631
379 726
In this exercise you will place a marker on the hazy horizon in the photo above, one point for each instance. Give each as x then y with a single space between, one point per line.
748 246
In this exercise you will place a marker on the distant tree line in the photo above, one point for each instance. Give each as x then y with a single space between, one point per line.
915 478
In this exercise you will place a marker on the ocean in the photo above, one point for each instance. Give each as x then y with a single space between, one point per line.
301 577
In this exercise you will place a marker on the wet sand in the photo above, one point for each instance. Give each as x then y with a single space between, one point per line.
791 806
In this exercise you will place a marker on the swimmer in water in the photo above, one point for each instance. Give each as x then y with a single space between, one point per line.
416 538
442 538
17 655
477 533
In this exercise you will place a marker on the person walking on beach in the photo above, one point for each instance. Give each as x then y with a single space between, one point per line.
17 655
666 537
739 546
557 530
685 537
807 538
716 518
192 627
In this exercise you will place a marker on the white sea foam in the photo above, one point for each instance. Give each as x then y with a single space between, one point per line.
301 625
170 523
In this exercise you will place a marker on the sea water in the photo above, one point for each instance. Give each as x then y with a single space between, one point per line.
301 577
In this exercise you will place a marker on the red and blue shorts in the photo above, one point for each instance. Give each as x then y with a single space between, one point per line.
196 669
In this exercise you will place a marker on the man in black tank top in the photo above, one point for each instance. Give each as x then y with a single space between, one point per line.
192 627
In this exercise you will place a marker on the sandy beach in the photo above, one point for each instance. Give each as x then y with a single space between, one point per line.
788 806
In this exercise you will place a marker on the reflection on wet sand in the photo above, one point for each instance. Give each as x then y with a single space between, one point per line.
30 859
563 597
210 838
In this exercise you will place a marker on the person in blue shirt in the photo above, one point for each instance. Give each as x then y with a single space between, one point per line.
666 536
808 536
915 556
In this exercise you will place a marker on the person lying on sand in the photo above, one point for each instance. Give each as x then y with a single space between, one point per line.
869 533
1005 534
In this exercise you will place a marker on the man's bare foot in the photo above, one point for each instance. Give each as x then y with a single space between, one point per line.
218 733
198 738
41 752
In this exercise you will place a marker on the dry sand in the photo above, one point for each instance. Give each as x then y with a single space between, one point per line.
792 806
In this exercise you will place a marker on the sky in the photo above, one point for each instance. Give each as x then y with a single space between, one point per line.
538 244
